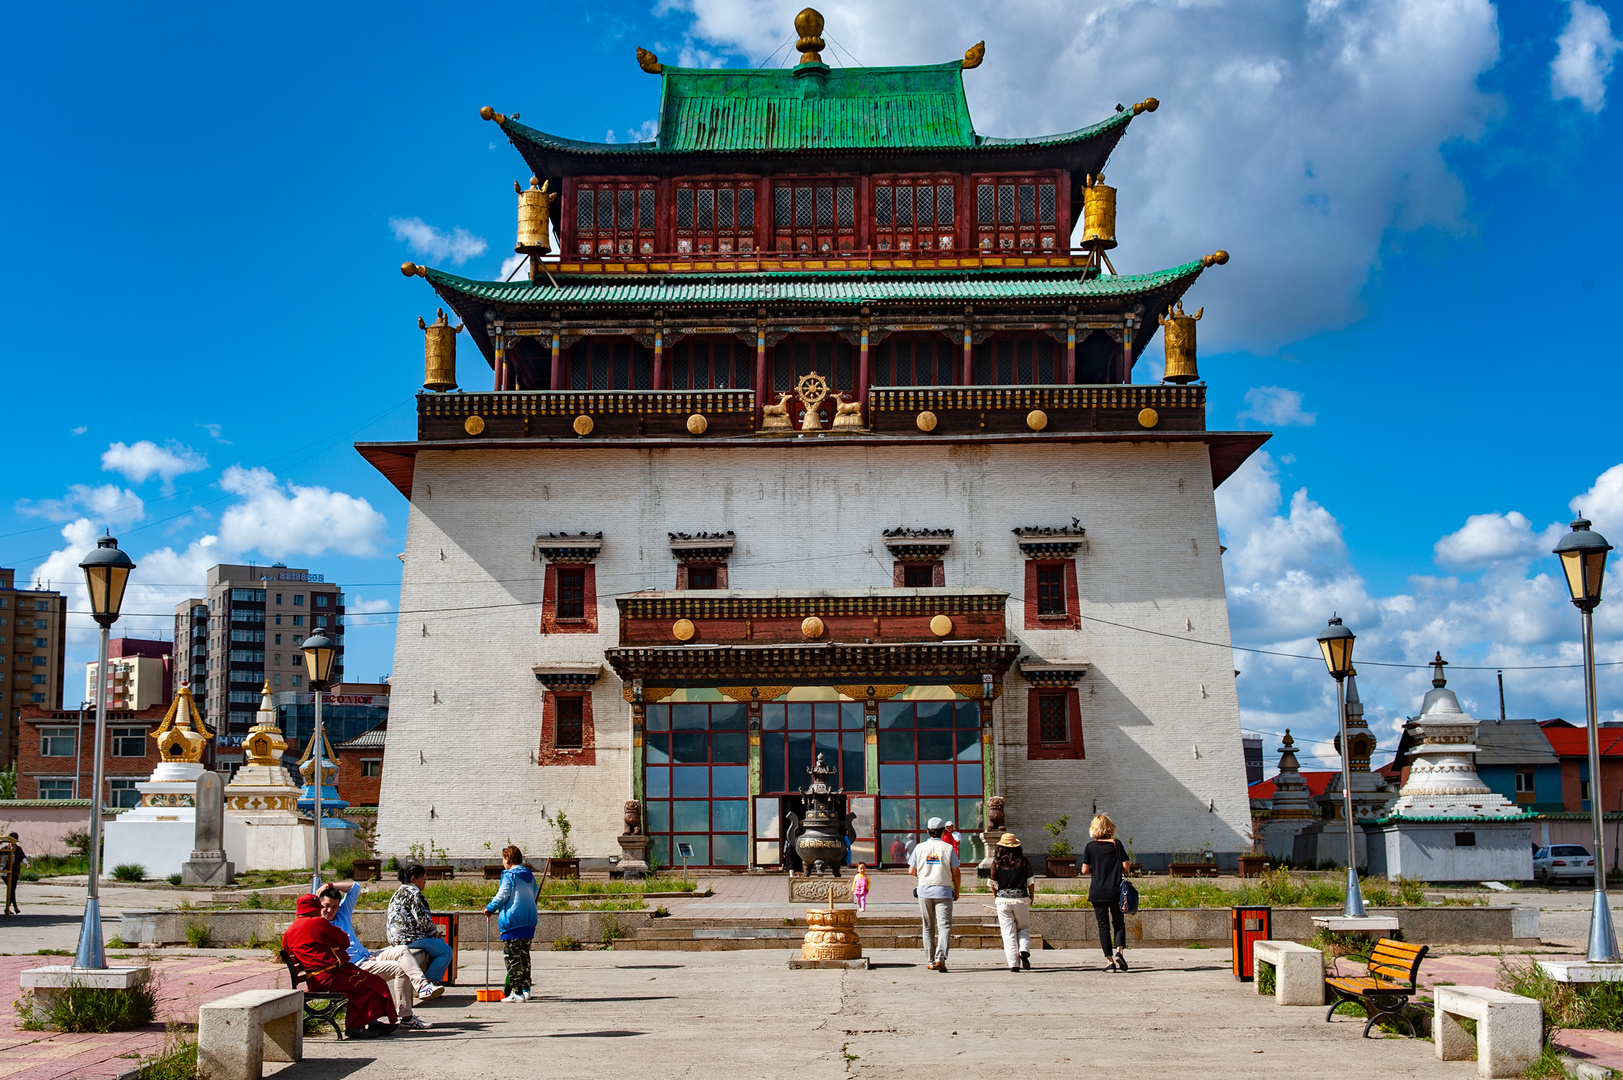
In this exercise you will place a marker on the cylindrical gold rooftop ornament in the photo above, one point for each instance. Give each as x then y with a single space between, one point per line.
533 207
439 353
1098 213
1178 335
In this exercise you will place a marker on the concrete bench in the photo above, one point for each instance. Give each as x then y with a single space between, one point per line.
1298 971
238 1034
1509 1028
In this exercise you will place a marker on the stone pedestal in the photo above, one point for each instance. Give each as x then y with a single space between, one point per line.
1581 972
804 890
831 934
633 856
160 833
989 840
208 866
1326 842
1359 924
48 982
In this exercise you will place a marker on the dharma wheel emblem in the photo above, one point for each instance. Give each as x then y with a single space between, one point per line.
812 389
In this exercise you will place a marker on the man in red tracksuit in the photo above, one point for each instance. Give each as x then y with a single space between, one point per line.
323 950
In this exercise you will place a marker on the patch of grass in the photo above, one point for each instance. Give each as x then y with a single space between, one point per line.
176 1061
1564 1005
1549 1065
256 942
89 1008
611 932
173 879
1195 945
1280 888
53 952
1267 978
116 942
45 866
197 933
130 871
566 944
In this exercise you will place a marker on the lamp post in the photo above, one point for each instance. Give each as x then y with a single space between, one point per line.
1337 645
107 572
1583 557
319 652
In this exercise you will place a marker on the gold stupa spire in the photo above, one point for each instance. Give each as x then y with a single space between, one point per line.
182 734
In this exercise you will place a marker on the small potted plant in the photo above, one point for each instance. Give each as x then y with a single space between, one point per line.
565 862
1061 863
493 871
1130 867
438 868
1253 863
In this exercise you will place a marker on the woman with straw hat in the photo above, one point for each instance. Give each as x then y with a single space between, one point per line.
1011 877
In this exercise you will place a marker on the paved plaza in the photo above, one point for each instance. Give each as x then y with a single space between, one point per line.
1178 1013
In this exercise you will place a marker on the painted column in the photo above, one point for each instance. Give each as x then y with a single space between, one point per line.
988 743
762 389
967 378
501 358
638 717
1127 351
659 355
755 768
1070 350
870 744
557 360
864 375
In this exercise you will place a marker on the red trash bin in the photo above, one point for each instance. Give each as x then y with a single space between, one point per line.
451 926
1250 925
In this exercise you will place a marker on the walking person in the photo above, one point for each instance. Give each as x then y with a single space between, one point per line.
1011 877
12 861
515 900
859 887
935 864
399 969
1103 858
411 923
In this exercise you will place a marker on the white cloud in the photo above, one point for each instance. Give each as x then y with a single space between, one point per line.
214 432
106 504
281 521
359 611
510 264
1292 135
1603 503
1275 406
145 459
456 247
1287 570
1583 61
80 430
644 131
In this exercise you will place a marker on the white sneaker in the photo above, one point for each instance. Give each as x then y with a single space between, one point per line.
511 998
415 1024
430 991
525 995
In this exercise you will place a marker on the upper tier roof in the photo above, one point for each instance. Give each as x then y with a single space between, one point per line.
896 112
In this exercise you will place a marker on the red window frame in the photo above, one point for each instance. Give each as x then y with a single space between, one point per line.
709 363
937 574
630 237
1014 225
707 216
916 360
1071 749
894 219
553 754
1070 618
551 622
608 363
1019 359
804 228
684 575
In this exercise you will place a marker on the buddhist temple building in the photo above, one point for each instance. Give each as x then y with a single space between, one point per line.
819 433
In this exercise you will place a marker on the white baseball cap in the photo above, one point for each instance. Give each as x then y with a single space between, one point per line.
933 824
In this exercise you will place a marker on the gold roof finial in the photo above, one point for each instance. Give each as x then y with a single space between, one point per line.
492 115
648 61
809 25
974 55
182 734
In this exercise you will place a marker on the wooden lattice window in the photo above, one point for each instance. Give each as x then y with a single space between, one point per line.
814 216
610 364
1018 214
614 219
905 361
570 730
1051 590
712 364
1017 360
914 214
1052 728
714 217
571 592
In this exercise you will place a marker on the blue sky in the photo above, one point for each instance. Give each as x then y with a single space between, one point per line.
203 209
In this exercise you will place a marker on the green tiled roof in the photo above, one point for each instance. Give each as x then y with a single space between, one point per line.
734 110
852 287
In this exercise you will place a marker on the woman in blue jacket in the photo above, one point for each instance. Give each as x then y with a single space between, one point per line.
515 900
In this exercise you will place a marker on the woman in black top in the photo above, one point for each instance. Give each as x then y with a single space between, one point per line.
1011 878
1103 858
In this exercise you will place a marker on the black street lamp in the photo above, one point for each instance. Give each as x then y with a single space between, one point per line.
1336 643
319 653
1583 558
107 572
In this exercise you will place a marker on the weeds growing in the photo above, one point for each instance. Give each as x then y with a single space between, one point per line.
89 1008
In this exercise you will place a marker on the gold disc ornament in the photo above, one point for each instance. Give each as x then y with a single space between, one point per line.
683 629
1148 418
583 424
473 425
941 626
697 424
1036 419
926 420
812 627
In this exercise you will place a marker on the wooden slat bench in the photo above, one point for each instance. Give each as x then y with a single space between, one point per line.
322 1006
1385 987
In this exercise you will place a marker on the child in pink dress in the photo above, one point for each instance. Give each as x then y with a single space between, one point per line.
859 887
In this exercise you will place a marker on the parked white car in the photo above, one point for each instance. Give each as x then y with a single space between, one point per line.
1552 864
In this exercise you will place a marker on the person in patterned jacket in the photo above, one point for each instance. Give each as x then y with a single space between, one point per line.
411 924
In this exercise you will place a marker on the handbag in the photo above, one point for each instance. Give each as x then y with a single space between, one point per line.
1129 898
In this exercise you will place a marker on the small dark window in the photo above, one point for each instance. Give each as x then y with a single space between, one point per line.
1465 839
571 593
919 576
701 577
1052 727
371 767
571 728
1050 590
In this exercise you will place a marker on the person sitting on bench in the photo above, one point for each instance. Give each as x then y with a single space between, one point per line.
323 950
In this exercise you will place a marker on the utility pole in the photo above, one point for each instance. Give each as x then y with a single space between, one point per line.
1501 696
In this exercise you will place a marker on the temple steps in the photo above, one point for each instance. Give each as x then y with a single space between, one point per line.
717 935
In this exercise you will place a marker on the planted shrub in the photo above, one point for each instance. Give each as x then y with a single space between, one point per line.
89 1008
129 871
173 879
197 934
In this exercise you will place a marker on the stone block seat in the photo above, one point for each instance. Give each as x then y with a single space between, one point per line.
1298 971
1509 1028
238 1034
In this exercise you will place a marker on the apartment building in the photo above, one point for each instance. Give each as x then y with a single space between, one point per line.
139 673
245 632
56 753
33 640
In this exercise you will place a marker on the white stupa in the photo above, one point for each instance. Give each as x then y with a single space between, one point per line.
1291 809
159 833
263 827
1447 825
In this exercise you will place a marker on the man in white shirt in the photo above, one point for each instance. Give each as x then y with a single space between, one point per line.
935 863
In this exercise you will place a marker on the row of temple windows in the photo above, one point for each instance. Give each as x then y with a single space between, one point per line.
729 364
816 216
